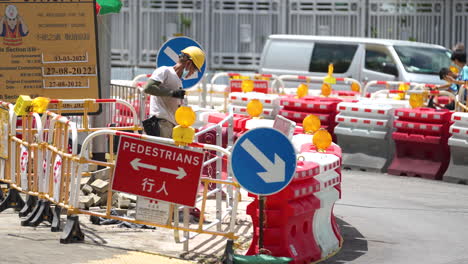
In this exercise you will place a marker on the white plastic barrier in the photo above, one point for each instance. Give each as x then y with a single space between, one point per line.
364 133
270 102
458 142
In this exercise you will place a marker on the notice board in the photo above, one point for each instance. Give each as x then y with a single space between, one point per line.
48 48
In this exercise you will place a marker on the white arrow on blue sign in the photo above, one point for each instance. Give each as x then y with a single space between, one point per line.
263 160
168 55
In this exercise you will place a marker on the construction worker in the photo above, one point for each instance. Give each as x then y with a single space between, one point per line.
13 27
165 86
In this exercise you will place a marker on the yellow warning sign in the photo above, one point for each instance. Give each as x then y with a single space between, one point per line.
48 49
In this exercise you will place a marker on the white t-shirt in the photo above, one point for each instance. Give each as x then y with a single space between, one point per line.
165 106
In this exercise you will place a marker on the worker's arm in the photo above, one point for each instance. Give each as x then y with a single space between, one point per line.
443 86
154 88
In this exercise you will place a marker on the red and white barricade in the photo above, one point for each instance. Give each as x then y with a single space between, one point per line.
270 102
421 141
364 132
458 142
299 220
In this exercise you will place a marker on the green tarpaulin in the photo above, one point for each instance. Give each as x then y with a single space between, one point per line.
108 6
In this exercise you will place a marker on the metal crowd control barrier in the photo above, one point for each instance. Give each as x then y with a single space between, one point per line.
118 111
318 79
201 227
388 88
226 89
133 95
458 143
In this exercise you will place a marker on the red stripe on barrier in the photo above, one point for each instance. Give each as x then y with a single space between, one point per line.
342 107
233 74
148 75
301 77
244 99
340 119
340 79
268 101
366 121
381 82
354 120
457 117
354 109
407 83
233 97
196 145
121 133
54 101
267 75
381 112
380 123
456 130
106 100
367 110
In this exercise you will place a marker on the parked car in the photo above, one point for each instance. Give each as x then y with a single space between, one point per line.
363 59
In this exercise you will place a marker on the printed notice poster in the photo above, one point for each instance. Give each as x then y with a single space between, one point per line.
48 49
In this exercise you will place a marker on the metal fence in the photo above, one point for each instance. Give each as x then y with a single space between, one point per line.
331 17
233 32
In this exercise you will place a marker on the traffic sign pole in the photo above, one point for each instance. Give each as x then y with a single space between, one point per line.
261 205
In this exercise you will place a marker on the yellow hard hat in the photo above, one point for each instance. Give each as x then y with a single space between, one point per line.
196 55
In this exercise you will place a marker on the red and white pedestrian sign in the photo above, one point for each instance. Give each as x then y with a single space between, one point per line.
157 171
57 173
24 157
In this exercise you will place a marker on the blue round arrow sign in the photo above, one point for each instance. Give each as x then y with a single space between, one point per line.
263 160
168 55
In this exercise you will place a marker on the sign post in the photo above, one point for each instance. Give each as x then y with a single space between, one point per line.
261 167
157 171
168 55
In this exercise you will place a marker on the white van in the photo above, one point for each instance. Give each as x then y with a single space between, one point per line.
363 59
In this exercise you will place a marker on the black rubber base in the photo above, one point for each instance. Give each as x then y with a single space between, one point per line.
42 212
228 257
72 231
31 201
56 219
12 200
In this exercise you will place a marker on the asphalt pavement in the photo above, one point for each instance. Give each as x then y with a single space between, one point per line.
383 218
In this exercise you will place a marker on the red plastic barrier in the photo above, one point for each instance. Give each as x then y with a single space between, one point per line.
323 107
421 141
291 215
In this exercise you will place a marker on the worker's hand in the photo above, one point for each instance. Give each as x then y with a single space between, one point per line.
178 93
449 79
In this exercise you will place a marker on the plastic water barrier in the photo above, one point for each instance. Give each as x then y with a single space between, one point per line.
323 107
421 140
42 163
364 133
299 222
270 102
458 168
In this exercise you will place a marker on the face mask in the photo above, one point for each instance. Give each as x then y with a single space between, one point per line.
184 74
